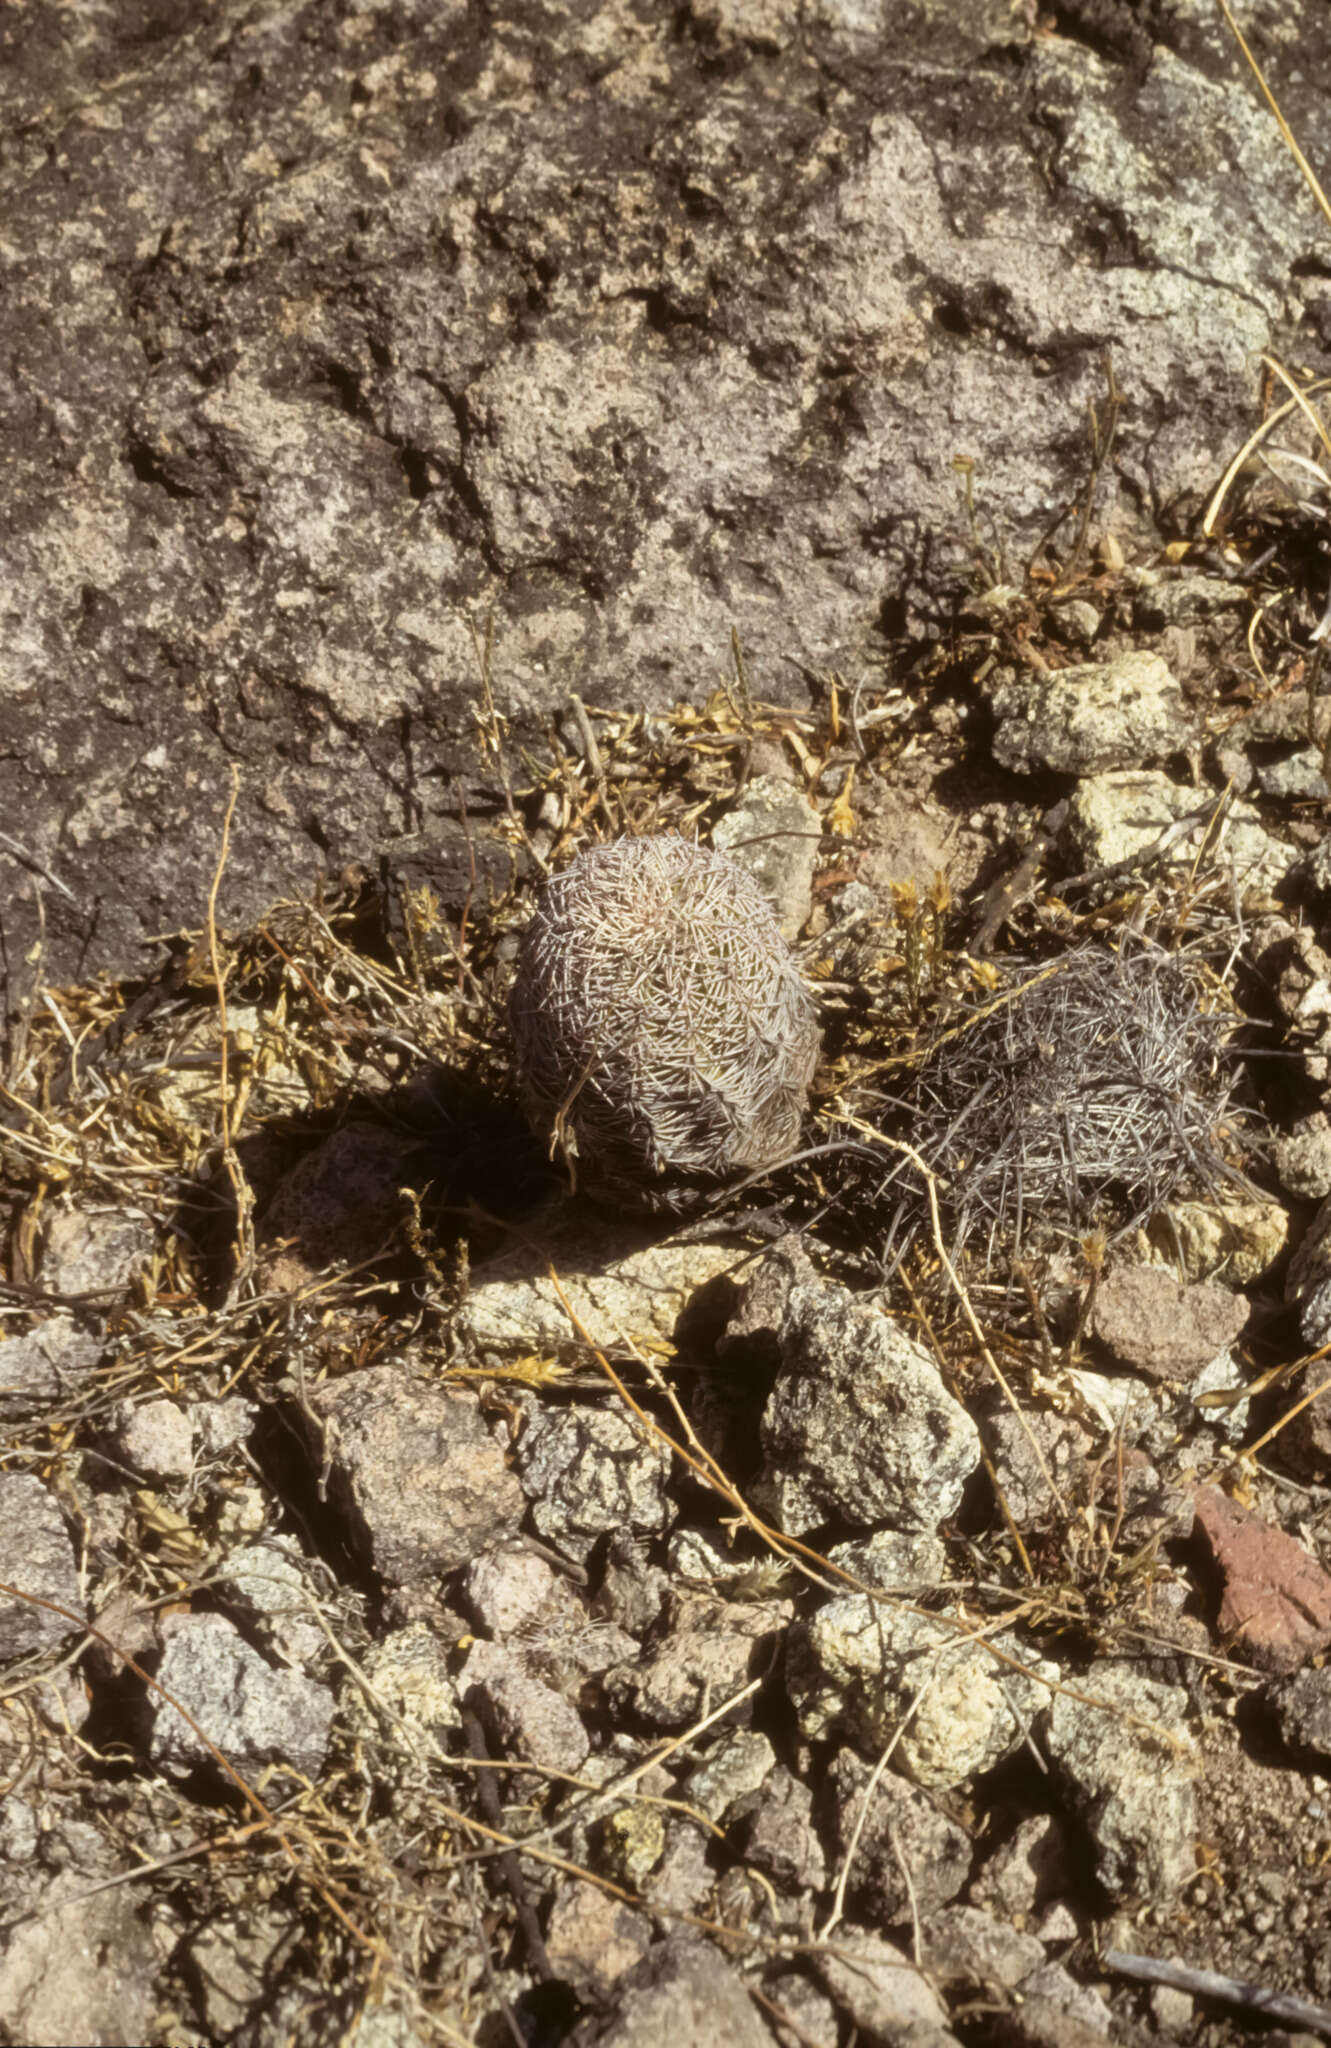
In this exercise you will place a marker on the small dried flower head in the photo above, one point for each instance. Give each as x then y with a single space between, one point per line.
663 1034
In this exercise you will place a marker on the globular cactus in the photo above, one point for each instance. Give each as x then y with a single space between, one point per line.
663 1034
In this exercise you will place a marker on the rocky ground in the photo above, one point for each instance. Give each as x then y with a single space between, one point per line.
439 1609
435 1608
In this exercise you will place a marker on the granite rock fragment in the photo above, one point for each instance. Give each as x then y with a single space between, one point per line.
1129 1763
39 1560
859 1426
591 1472
416 1471
251 1711
1123 713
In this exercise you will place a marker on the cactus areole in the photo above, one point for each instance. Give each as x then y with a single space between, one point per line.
664 1037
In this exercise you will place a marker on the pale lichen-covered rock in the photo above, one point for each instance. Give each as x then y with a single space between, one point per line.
1229 1238
1125 1751
1114 816
860 1664
617 1287
252 1712
859 1426
38 1559
589 1472
772 831
1098 715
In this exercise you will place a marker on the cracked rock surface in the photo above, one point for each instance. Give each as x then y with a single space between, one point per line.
322 331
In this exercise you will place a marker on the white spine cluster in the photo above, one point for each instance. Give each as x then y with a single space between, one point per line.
661 1026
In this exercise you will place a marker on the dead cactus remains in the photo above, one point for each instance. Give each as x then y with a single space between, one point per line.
663 1034
1084 1096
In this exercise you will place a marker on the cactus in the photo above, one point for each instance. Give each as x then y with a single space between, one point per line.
663 1034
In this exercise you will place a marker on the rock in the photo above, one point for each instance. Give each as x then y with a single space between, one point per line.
154 1438
254 1714
220 1424
773 831
1316 866
903 1830
1156 1324
1112 817
883 1993
1078 621
1027 1871
754 1328
1218 1394
422 1482
1057 1926
44 1367
739 1764
1172 2010
341 1204
632 1592
345 488
694 1557
682 1879
1128 1764
1182 600
1024 1487
509 1589
1302 1159
592 1938
1298 778
39 1560
631 1843
963 1945
1302 1707
268 1580
234 1958
75 1968
1239 1240
681 1992
702 1651
1306 1441
1308 1280
859 1664
1112 1403
1124 713
588 1472
1145 1505
1275 1603
812 2014
530 1720
617 1287
1055 2012
859 1426
95 1251
894 1560
409 1671
779 1836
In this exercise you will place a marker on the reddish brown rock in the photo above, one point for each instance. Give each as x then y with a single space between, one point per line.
1156 1324
1276 1598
